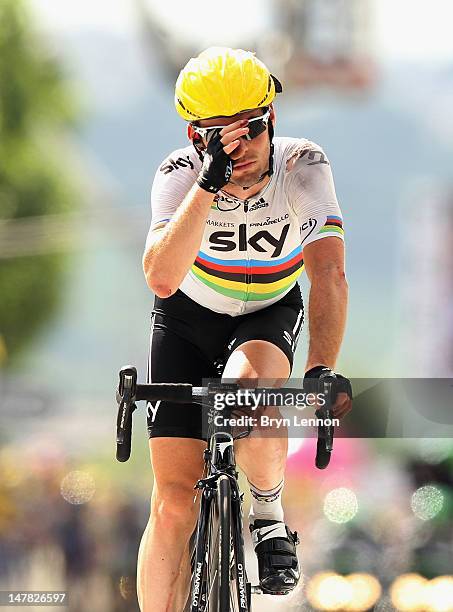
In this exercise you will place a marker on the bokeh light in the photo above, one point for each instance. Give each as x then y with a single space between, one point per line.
77 487
340 505
407 593
366 590
329 591
356 592
427 502
438 594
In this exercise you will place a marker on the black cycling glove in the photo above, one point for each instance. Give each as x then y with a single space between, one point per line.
217 166
341 385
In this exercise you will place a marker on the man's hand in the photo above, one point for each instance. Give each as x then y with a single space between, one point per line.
342 388
217 165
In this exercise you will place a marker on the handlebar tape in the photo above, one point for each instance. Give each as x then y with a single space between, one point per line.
179 393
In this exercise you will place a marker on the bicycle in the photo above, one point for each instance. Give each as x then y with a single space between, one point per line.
219 579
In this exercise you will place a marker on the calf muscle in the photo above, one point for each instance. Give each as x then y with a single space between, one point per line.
163 561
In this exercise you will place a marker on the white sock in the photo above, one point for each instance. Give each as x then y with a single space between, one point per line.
266 505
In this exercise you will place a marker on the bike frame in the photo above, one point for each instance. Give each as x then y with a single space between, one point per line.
220 463
220 466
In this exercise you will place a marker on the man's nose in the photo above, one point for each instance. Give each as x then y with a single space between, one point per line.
242 148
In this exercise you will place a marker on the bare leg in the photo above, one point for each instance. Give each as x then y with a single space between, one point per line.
163 571
262 456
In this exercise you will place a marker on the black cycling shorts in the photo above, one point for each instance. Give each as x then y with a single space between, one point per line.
188 339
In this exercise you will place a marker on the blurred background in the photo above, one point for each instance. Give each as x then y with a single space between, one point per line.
86 117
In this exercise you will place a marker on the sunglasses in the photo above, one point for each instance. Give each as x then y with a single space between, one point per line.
256 125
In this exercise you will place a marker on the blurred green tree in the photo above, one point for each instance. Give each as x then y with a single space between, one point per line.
36 106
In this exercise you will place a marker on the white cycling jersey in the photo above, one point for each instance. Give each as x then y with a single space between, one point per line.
251 253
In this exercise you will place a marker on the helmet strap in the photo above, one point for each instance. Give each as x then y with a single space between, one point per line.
270 128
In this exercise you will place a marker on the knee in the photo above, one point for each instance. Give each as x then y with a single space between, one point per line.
173 507
248 378
251 377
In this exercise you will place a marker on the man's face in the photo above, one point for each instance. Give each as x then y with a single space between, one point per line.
251 157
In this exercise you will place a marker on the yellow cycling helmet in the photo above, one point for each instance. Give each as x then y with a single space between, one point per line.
223 82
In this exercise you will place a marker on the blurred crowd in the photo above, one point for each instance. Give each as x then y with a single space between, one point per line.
378 511
57 536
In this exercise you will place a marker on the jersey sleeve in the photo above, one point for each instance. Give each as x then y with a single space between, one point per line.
311 193
173 180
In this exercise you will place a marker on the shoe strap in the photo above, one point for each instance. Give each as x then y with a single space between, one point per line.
269 533
276 545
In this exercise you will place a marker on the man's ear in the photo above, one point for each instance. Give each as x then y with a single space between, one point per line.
190 132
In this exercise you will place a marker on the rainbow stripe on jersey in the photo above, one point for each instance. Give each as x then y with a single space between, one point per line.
333 224
249 280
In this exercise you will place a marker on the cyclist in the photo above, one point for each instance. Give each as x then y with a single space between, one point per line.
236 215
